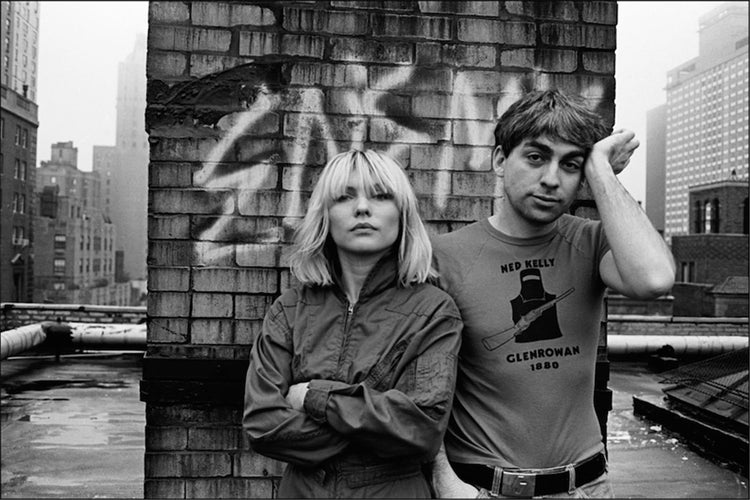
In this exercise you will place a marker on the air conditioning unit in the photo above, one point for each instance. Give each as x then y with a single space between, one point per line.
24 242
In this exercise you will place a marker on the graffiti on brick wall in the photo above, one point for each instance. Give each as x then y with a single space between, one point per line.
253 161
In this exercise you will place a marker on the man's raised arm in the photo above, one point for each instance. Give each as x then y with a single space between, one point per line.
639 264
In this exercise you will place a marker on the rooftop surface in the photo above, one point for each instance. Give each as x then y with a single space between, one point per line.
75 429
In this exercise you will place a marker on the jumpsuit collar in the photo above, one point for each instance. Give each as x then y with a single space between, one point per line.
384 274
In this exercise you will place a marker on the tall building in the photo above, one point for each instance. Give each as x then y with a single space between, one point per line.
129 179
20 34
74 239
105 160
18 126
656 125
707 118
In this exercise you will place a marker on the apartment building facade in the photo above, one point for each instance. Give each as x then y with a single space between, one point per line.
18 130
75 240
706 113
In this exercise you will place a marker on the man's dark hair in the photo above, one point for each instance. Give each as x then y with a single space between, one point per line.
552 114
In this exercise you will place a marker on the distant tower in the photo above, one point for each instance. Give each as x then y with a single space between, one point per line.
707 119
128 177
20 38
655 165
105 161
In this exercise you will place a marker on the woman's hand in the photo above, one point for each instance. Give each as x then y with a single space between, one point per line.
296 395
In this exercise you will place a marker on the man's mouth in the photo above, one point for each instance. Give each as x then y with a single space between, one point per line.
545 199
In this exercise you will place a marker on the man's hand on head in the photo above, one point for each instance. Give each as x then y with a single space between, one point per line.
617 148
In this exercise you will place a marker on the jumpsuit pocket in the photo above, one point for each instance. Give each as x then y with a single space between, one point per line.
434 379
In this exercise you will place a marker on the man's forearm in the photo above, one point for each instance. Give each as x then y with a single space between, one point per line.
445 482
642 259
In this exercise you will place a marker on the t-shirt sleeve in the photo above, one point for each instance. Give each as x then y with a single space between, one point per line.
446 264
602 242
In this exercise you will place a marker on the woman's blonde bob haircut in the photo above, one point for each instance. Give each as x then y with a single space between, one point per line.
375 173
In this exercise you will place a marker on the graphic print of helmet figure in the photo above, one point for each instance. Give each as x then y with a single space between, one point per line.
532 296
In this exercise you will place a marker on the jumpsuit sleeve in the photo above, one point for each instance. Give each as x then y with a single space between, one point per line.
409 417
273 427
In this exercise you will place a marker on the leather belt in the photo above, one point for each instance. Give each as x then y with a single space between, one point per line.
517 483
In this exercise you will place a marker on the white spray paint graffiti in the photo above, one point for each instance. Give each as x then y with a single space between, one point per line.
464 105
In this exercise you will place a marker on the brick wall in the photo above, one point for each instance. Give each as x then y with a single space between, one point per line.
730 198
715 256
246 102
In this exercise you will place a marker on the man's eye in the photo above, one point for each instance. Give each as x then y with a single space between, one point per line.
535 157
573 166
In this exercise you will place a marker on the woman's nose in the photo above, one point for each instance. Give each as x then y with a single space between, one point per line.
362 205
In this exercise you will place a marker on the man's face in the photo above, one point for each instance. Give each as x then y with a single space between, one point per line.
541 179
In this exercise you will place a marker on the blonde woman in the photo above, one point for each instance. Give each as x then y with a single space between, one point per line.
352 377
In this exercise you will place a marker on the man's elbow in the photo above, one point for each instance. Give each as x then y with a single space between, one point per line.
653 287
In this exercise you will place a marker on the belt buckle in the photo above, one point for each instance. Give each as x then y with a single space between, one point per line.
518 484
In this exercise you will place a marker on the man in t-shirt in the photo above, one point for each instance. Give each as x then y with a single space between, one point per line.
530 282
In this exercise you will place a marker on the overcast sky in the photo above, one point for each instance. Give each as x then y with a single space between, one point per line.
81 44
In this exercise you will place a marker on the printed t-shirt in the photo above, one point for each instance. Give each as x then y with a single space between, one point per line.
532 311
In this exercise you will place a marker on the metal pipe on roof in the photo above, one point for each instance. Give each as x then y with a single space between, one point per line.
20 339
703 345
108 336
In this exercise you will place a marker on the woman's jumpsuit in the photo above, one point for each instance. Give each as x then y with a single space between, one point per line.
381 378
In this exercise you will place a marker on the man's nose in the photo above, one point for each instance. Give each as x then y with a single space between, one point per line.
551 174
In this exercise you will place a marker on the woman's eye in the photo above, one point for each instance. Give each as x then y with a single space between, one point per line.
342 197
383 196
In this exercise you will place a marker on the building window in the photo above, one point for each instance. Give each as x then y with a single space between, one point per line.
687 272
19 203
715 216
698 217
60 241
708 215
19 235
59 266
20 170
745 217
17 139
